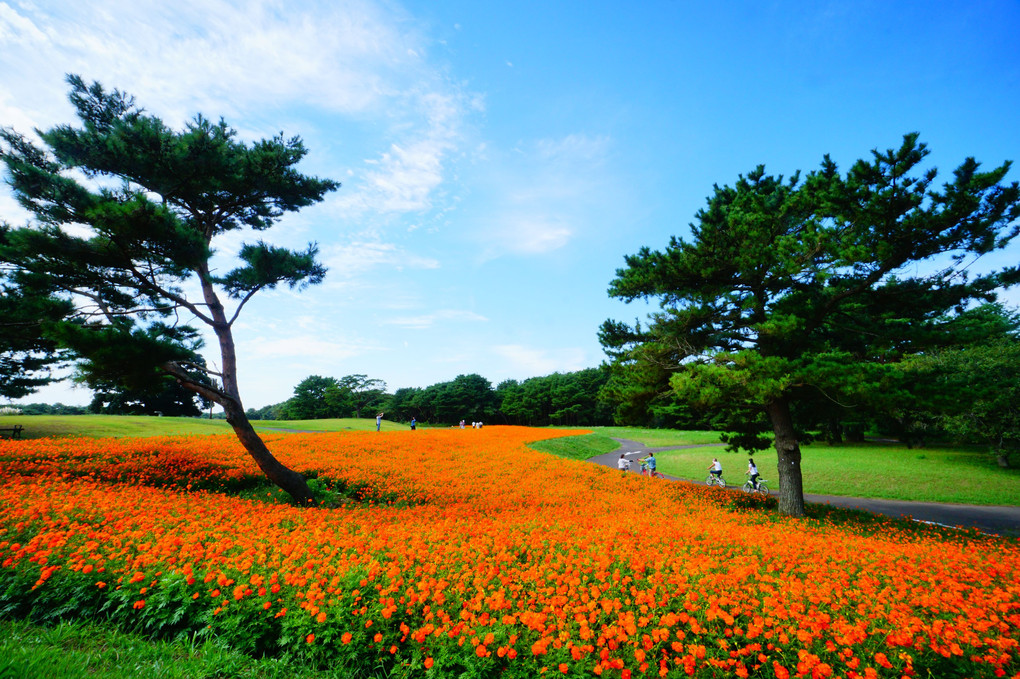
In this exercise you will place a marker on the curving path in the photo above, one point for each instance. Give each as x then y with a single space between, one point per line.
989 519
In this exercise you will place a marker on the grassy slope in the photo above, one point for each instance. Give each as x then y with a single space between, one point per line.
881 470
39 426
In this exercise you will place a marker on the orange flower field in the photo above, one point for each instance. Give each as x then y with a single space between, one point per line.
465 553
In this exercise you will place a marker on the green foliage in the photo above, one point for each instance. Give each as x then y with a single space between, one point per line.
26 355
164 397
467 397
309 399
565 399
100 650
317 397
975 393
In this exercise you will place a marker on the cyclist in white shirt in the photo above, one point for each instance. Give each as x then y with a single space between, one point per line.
752 469
623 464
715 469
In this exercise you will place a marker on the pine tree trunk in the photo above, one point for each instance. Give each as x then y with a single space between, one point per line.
284 477
791 485
229 398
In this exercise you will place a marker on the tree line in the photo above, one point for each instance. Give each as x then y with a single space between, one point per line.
566 399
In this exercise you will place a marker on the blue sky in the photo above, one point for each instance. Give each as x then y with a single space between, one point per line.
499 160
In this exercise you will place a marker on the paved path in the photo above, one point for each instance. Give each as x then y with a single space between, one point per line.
998 520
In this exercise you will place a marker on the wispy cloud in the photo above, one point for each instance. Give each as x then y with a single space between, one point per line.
548 189
255 63
445 316
309 349
528 361
347 57
347 261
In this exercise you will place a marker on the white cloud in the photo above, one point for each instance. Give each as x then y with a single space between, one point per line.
545 194
528 361
530 234
11 212
19 30
354 259
405 177
359 63
444 316
309 349
344 57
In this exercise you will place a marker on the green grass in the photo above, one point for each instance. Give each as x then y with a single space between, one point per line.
577 447
40 426
879 470
97 426
657 438
937 473
600 441
95 650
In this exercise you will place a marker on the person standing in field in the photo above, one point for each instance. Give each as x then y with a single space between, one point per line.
414 424
378 421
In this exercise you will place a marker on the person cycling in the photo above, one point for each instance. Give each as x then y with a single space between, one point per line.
715 469
648 463
752 470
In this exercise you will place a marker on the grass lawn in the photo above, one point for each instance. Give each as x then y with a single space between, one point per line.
97 426
956 474
40 426
601 441
82 649
881 470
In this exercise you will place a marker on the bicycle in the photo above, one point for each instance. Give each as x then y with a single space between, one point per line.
654 473
714 480
762 487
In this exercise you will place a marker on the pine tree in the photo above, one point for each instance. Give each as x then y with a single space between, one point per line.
797 292
127 212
